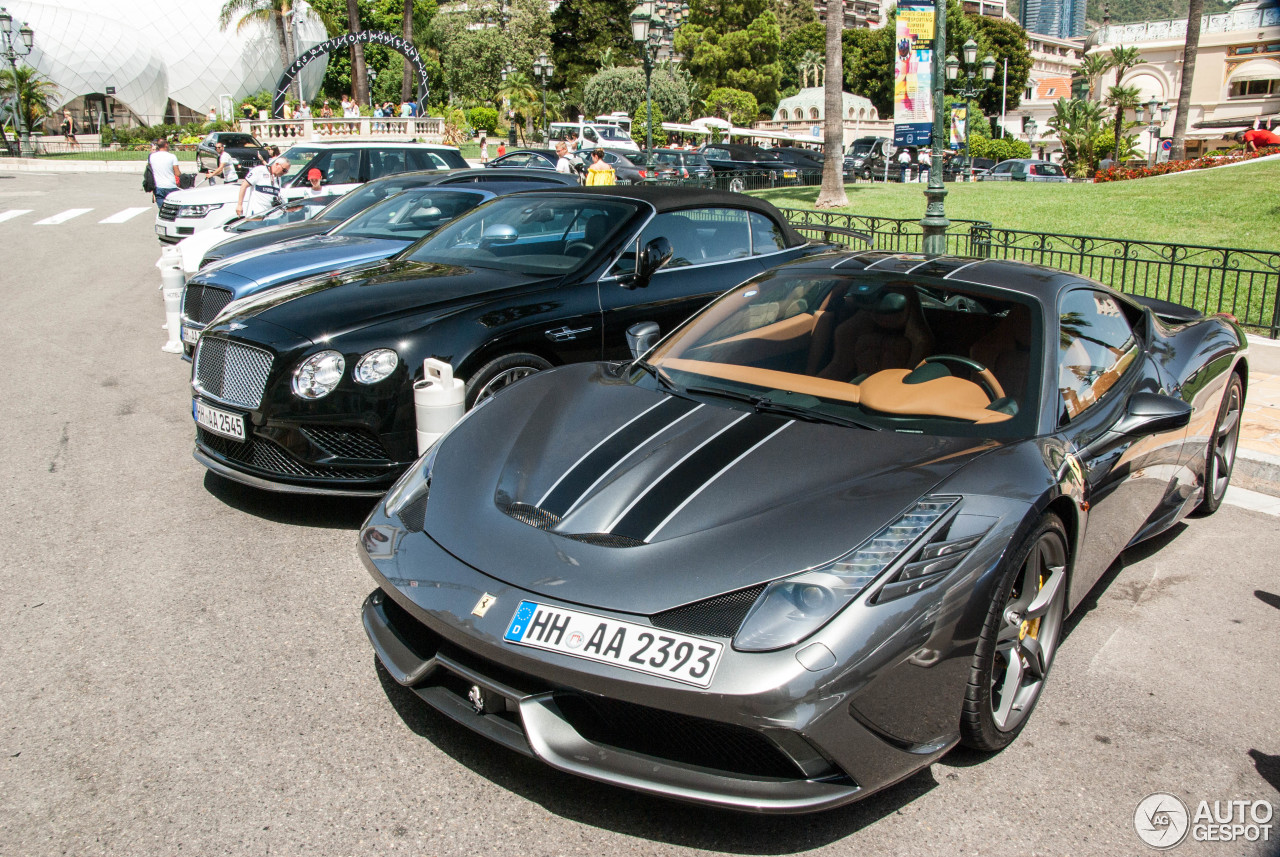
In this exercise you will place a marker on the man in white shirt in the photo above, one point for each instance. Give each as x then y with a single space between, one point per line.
563 164
260 189
164 170
226 169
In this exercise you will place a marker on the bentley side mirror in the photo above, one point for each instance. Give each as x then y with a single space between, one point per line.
640 337
499 233
1152 413
654 255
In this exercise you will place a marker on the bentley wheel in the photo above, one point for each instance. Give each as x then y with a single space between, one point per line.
1018 640
500 373
1221 456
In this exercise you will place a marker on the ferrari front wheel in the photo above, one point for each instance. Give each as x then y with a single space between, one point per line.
1221 455
1018 640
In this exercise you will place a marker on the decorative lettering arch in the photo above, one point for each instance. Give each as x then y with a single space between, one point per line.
375 37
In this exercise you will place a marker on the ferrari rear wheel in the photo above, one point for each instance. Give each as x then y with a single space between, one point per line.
500 373
1018 640
1221 456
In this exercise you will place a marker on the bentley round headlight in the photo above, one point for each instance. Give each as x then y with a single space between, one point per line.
316 376
376 365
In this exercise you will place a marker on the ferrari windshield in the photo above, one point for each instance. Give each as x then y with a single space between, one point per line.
877 350
410 215
534 234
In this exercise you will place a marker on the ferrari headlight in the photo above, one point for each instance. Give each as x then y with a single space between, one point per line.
413 485
376 365
316 376
197 210
791 609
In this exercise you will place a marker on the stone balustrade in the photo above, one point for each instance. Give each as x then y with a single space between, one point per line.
288 131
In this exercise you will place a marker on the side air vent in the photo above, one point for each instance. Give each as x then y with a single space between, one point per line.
714 617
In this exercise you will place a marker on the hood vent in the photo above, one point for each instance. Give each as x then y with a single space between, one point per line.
543 520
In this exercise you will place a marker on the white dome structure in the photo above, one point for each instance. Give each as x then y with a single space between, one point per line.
153 52
807 106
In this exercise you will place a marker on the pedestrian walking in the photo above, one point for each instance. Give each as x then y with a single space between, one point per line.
600 173
484 148
226 169
69 129
260 189
502 148
904 164
164 170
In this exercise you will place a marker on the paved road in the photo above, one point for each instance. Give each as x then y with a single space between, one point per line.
182 667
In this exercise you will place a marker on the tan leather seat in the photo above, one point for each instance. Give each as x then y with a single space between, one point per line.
1006 351
892 334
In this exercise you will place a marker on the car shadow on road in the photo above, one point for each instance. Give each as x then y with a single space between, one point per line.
303 510
634 814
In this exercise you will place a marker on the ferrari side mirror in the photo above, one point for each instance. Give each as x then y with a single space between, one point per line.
641 336
1152 413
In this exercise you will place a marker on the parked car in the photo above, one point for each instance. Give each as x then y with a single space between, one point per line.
804 159
830 527
244 149
687 165
957 169
309 387
867 157
500 181
628 167
1025 170
374 234
532 159
295 212
735 157
343 166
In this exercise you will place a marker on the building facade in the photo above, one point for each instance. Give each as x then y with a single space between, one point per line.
1062 19
803 113
1053 63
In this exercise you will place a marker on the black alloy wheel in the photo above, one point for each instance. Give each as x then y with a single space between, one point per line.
1221 454
500 373
1018 640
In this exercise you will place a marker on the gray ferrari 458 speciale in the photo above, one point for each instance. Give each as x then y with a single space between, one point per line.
824 531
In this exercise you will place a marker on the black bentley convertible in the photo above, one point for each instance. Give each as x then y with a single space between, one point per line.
308 387
824 531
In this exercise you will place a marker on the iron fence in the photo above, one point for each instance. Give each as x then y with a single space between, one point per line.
894 234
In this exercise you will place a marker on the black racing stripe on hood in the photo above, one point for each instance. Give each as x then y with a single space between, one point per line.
690 475
588 470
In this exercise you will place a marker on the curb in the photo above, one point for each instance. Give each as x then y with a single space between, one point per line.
1257 471
57 165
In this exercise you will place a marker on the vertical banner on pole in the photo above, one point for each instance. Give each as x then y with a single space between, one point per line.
913 74
959 123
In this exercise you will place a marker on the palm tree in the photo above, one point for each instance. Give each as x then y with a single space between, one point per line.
832 194
359 74
406 81
268 13
1189 50
518 90
37 96
1094 67
1122 98
1076 123
811 61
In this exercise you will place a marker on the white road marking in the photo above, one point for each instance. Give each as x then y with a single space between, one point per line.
127 214
62 217
12 213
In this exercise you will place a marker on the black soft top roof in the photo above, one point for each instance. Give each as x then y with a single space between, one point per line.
666 198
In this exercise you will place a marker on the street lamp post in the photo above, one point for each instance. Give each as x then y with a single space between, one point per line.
970 88
653 27
1154 125
1031 128
934 223
542 70
9 48
508 71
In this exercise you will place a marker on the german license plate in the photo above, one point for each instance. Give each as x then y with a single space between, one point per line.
190 335
220 422
160 229
642 648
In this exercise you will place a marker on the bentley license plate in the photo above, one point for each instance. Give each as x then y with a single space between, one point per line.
642 648
190 335
220 422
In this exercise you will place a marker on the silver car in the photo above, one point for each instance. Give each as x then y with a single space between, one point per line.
1025 170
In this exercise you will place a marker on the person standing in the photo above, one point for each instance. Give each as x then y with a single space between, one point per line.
260 189
600 173
563 165
226 169
164 170
924 161
484 148
69 129
314 180
904 163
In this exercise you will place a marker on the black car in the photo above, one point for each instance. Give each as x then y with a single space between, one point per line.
504 181
309 387
526 159
244 148
753 160
828 529
686 165
867 157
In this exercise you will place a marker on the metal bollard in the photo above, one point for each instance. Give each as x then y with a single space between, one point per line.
171 282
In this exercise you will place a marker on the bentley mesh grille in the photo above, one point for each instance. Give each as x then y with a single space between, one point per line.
202 303
266 456
676 737
715 617
169 211
347 443
232 372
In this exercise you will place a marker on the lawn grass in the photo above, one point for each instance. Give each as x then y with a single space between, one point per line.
1226 207
89 154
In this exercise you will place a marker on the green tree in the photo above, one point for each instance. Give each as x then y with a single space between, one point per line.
639 128
1104 144
623 89
832 193
471 57
1004 40
36 95
1190 50
1077 122
793 15
798 49
529 32
735 44
581 32
1122 98
521 95
1093 68
737 106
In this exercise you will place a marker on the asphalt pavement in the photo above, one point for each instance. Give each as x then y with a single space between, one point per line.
183 668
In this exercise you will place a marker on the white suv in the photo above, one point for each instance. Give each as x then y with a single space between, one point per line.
344 165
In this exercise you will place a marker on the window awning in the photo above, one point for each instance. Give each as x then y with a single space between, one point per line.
1259 69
